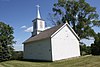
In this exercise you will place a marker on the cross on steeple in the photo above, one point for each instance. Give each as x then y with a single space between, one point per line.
38 12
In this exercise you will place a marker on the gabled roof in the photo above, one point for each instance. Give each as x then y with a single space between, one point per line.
43 35
48 33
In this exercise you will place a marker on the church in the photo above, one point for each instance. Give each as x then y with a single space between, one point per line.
56 43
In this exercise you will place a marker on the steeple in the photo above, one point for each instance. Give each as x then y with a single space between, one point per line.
38 12
38 23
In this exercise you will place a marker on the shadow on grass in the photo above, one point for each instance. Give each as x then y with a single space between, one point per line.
34 60
28 60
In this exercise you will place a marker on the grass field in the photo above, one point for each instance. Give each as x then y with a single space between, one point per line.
84 61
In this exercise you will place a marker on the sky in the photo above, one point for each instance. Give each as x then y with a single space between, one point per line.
20 13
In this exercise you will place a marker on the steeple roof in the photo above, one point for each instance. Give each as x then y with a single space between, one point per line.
38 12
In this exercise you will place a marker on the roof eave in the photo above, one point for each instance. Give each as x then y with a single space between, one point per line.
34 40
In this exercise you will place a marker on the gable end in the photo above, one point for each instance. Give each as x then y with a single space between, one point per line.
66 24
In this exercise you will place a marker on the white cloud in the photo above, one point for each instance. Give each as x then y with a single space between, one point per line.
47 28
23 26
29 29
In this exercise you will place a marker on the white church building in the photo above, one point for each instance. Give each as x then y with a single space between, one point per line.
56 43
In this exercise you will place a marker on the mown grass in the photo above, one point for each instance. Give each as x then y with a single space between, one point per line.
84 61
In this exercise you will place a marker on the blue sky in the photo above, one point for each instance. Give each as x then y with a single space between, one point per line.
20 13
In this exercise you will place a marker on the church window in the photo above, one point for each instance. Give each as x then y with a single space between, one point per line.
41 26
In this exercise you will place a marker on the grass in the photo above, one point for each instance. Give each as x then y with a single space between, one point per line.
84 61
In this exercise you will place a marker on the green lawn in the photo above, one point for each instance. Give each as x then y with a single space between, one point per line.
84 61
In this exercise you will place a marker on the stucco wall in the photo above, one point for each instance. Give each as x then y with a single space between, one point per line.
39 50
64 45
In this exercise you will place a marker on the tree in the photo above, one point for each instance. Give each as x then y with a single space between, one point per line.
6 41
95 48
79 14
85 50
17 55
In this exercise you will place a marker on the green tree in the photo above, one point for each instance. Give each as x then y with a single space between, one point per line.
95 48
79 14
6 41
17 55
85 50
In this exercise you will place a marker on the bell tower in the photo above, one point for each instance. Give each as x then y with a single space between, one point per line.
38 23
